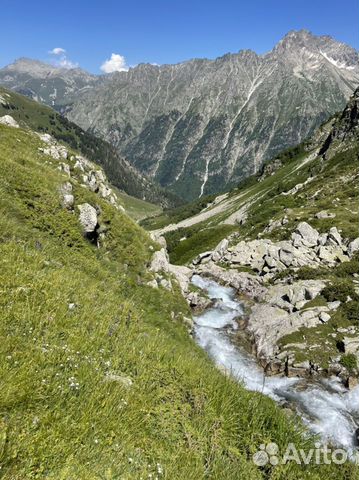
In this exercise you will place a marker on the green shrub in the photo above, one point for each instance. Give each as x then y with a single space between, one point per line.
347 268
351 310
339 290
308 273
349 361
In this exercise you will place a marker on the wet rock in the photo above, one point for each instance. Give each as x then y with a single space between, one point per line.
351 382
295 372
245 283
273 367
198 302
201 257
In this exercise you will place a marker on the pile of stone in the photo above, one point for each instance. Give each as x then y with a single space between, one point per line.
79 169
305 248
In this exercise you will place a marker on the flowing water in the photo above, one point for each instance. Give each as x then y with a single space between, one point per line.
326 406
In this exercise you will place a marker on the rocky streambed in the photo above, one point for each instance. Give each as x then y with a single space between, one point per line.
325 405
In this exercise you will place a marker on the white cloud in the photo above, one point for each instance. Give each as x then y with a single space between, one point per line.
117 63
66 63
61 59
57 51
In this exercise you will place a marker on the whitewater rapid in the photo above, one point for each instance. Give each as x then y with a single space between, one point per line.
326 406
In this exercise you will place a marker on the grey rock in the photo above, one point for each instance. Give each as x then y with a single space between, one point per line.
324 317
159 262
201 257
165 283
333 305
335 236
353 247
216 256
351 344
88 217
324 214
245 283
221 248
64 167
323 238
9 121
152 283
309 235
67 198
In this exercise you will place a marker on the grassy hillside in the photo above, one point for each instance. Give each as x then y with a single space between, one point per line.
333 186
136 208
99 378
122 174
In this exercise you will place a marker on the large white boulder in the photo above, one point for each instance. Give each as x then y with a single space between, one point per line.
353 247
309 236
9 121
88 218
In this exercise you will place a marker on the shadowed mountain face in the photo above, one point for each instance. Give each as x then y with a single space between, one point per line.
201 126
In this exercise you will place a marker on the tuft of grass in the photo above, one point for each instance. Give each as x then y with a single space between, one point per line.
349 361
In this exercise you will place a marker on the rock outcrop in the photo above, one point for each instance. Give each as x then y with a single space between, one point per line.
305 248
9 121
89 221
281 308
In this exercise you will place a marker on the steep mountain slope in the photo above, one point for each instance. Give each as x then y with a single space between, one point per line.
123 175
99 377
295 224
46 83
202 125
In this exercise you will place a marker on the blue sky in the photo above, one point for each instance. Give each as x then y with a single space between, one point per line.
162 31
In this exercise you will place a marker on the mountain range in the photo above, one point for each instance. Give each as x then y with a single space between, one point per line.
201 126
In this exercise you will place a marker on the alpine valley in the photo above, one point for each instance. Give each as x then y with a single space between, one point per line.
179 273
201 126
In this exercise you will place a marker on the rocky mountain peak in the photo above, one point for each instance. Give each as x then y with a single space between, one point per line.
31 67
319 48
201 126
